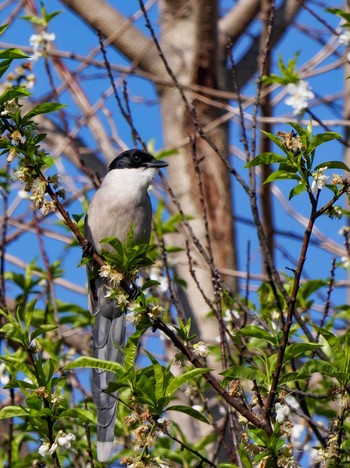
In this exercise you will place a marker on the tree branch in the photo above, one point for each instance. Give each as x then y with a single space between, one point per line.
128 39
247 66
236 21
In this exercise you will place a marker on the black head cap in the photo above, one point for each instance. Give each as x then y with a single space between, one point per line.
135 158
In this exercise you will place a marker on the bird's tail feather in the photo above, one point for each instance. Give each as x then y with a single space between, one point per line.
108 342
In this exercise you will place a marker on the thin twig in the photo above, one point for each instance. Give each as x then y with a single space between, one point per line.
216 277
5 197
328 297
49 280
127 116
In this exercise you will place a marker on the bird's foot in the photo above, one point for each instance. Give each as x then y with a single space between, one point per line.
88 250
134 292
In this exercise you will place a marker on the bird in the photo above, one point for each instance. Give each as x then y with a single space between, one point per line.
121 202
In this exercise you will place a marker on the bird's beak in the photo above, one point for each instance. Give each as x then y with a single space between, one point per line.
156 163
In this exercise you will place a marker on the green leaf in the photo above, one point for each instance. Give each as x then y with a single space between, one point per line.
297 190
256 332
12 53
334 343
299 349
29 315
333 165
4 66
50 16
281 175
149 284
115 243
245 372
266 158
34 402
292 377
227 465
131 348
94 363
13 412
276 140
317 365
48 161
3 28
321 138
341 13
190 411
179 380
78 217
81 414
13 93
42 330
34 20
44 108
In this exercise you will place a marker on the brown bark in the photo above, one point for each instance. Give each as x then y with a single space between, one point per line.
265 145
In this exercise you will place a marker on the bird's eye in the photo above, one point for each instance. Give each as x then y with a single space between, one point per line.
136 158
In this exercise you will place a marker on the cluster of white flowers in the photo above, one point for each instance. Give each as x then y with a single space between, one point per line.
10 107
63 442
319 179
39 42
300 94
38 193
201 349
283 411
114 276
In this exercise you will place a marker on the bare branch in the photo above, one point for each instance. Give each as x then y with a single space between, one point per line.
128 39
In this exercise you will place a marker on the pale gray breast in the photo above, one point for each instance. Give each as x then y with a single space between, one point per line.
114 216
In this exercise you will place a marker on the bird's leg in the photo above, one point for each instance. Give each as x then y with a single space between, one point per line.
134 292
88 250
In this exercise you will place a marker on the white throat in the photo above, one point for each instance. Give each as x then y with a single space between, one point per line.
140 178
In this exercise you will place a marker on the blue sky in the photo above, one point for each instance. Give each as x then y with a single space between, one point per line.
72 34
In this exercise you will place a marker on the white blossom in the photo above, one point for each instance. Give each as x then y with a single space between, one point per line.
122 299
23 194
133 318
297 430
282 412
229 313
43 449
30 81
4 379
53 448
319 180
300 94
156 312
38 42
48 207
64 441
10 107
201 349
